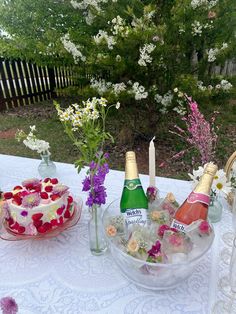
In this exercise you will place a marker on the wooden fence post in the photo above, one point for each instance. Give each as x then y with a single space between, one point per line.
52 81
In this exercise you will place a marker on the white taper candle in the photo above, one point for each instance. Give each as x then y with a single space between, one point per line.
152 163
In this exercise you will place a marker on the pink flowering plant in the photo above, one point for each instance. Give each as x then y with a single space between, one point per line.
199 133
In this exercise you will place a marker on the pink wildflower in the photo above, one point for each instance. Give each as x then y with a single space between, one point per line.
175 239
60 189
31 200
164 228
31 184
200 133
156 248
204 227
151 193
8 305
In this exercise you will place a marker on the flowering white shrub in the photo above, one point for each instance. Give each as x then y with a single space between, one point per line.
73 49
139 41
209 4
223 85
103 36
139 91
213 52
145 52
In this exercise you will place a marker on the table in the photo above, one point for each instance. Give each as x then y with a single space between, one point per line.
60 275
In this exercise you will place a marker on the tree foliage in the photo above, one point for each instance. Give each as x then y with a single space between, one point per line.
149 48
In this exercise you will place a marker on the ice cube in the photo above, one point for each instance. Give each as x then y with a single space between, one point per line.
160 217
176 242
201 233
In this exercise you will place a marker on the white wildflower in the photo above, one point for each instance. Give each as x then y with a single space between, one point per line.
117 105
118 58
118 88
139 91
226 85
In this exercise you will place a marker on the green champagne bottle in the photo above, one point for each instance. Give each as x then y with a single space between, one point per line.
134 203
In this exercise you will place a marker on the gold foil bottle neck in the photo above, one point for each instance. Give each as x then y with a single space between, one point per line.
211 169
205 183
131 169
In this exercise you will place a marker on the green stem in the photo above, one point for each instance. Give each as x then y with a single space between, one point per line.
96 230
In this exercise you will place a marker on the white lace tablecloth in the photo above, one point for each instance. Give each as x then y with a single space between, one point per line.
61 276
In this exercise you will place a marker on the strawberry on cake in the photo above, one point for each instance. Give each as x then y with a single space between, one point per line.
37 206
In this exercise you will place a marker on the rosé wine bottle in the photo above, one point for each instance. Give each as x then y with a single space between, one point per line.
196 205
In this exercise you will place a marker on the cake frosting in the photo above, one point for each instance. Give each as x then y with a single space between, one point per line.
37 206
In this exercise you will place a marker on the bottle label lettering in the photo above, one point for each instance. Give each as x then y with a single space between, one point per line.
199 197
178 225
135 216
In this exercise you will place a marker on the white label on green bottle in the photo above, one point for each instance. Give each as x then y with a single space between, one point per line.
135 216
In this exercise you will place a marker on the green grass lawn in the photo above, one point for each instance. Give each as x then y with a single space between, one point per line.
43 116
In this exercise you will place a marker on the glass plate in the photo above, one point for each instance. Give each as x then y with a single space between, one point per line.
7 234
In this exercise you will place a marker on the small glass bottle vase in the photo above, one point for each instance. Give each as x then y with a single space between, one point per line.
47 168
214 209
97 241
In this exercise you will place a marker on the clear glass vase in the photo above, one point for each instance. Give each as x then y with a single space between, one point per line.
47 168
214 209
97 240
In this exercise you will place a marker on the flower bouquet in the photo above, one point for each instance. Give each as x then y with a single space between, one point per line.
85 126
46 168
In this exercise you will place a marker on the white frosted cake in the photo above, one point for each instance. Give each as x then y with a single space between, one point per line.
37 206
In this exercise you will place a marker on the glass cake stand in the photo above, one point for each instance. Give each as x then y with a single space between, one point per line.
7 234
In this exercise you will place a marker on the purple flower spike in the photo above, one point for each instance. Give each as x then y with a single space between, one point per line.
94 184
8 305
106 156
92 165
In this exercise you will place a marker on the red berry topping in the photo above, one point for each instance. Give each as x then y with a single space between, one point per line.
15 226
37 188
17 199
21 229
46 180
70 199
18 187
67 214
10 221
45 227
41 229
60 221
54 197
37 216
54 222
60 210
8 195
48 188
54 181
44 195
38 223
